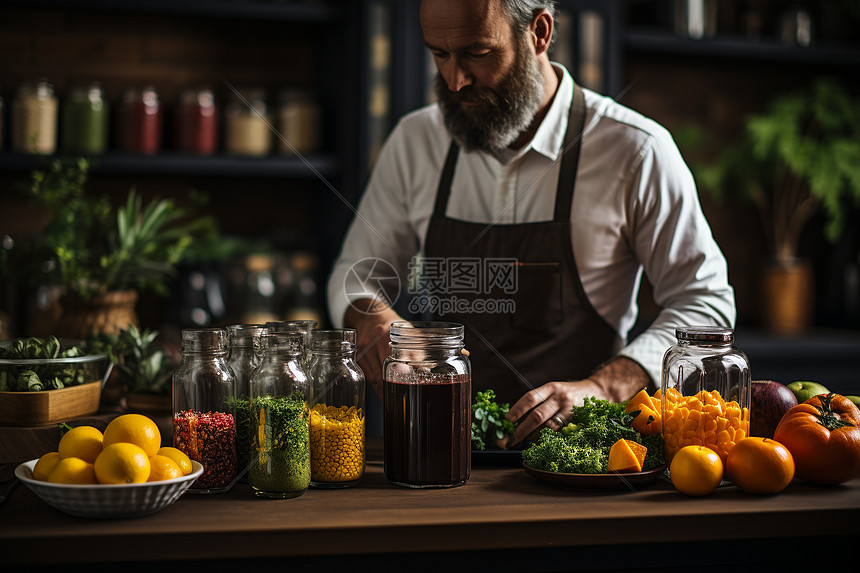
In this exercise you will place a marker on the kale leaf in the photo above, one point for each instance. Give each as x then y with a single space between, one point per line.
488 420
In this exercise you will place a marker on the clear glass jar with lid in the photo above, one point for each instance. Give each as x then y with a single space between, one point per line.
299 122
337 413
204 423
302 327
196 126
34 119
427 387
140 121
246 119
243 341
85 120
280 447
705 391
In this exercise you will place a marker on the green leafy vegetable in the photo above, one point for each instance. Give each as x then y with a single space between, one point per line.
583 445
488 420
35 378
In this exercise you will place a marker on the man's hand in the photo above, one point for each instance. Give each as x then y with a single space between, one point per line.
550 404
372 325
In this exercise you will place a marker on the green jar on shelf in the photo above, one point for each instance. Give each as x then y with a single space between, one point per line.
85 114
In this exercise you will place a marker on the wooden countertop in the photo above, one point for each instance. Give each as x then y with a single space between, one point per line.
502 511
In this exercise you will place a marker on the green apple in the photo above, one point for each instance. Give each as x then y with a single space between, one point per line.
804 390
855 399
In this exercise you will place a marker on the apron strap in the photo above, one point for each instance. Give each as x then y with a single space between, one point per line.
570 156
444 189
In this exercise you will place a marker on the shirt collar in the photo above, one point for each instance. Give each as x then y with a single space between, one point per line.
549 138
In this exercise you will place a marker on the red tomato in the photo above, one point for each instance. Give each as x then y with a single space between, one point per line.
823 436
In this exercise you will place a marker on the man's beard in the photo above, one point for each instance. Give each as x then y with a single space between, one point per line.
501 114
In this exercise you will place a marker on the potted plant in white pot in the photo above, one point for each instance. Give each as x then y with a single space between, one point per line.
103 257
800 156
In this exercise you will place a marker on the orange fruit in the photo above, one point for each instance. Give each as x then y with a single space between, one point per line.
72 471
45 465
162 468
760 465
624 456
134 429
696 470
178 456
122 463
84 442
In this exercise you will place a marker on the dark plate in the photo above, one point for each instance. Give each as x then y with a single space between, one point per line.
503 458
602 482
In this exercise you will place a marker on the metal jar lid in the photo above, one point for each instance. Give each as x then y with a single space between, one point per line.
705 334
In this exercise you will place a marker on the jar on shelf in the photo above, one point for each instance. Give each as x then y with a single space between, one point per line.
337 431
197 122
85 120
34 119
243 343
204 398
299 122
2 121
280 448
246 124
140 121
426 395
302 327
705 391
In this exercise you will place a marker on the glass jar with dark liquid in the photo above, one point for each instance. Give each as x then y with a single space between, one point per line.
427 406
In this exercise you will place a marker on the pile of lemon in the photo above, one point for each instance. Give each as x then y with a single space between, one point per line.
129 451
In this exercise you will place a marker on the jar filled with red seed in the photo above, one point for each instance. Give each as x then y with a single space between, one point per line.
197 122
204 402
140 121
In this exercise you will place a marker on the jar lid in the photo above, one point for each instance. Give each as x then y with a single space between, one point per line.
705 334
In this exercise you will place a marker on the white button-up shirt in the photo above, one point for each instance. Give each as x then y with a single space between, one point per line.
635 209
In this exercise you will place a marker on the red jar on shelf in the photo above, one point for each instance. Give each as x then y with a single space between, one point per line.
140 118
197 122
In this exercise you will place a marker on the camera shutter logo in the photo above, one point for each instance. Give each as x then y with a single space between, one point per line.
372 278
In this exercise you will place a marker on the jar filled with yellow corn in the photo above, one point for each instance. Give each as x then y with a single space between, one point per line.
705 391
337 430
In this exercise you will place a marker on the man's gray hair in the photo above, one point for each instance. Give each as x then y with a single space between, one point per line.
522 13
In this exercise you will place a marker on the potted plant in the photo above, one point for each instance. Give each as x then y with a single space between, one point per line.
103 257
800 156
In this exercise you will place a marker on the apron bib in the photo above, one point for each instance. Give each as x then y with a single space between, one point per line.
553 333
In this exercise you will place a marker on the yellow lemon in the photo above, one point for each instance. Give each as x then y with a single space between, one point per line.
696 470
84 442
72 471
122 463
134 429
178 456
45 465
163 468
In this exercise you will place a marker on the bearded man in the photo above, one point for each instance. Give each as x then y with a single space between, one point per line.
536 206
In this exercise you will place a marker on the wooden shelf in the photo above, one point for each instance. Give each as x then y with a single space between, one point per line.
661 42
295 11
177 164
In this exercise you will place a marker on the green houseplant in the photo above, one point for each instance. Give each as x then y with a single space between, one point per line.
103 257
801 155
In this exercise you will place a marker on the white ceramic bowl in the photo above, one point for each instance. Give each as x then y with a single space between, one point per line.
109 501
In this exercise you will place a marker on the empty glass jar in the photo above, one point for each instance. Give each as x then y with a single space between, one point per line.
204 424
705 391
337 412
427 385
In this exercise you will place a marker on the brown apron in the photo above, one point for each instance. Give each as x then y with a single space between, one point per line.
554 333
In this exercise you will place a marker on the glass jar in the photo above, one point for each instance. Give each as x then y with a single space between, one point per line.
280 448
298 123
246 124
2 121
707 388
197 122
337 414
204 424
140 119
85 120
34 119
426 394
302 327
243 341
